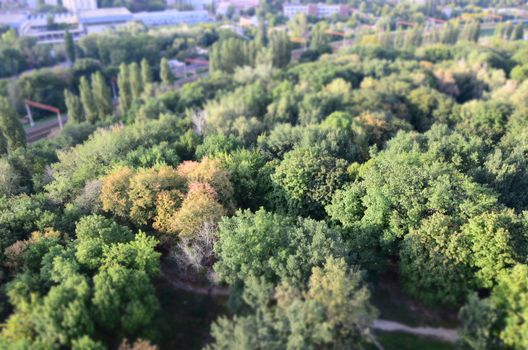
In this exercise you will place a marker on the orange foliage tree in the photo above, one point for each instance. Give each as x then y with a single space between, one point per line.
176 201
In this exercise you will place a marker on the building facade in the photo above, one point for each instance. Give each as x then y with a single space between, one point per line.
195 4
37 27
79 5
89 21
319 10
99 20
171 17
223 7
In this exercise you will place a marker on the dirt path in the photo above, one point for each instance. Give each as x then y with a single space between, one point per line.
444 334
448 335
170 273
211 290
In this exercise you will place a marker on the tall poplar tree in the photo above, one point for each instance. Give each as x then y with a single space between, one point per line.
262 33
10 126
165 72
123 84
518 31
74 107
3 144
87 100
280 49
102 96
146 72
69 46
136 84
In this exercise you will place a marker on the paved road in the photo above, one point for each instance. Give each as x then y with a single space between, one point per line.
447 335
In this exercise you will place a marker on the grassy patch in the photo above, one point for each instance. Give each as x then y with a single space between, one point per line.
185 318
395 305
403 341
41 120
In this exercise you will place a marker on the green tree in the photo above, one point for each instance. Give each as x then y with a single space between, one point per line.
280 49
124 301
510 297
64 314
273 247
331 312
343 298
518 31
435 262
123 84
499 240
298 25
102 96
136 82
318 39
519 72
95 234
11 180
138 254
478 317
74 107
262 33
146 72
230 53
166 75
10 126
470 31
413 37
3 144
307 177
69 46
87 100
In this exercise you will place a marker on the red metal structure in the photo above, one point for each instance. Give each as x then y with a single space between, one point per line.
405 23
330 32
437 20
45 107
197 61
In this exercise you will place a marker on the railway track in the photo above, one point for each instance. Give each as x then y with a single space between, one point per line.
43 130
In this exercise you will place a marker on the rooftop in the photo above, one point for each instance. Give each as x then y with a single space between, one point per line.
60 18
12 18
168 13
104 12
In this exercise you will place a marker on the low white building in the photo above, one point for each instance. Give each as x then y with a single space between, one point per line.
171 17
13 20
37 27
195 4
223 7
319 10
99 20
79 5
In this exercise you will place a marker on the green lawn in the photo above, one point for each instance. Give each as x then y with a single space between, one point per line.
487 32
185 318
395 305
403 341
41 120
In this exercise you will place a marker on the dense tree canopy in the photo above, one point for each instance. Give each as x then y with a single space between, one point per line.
295 176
